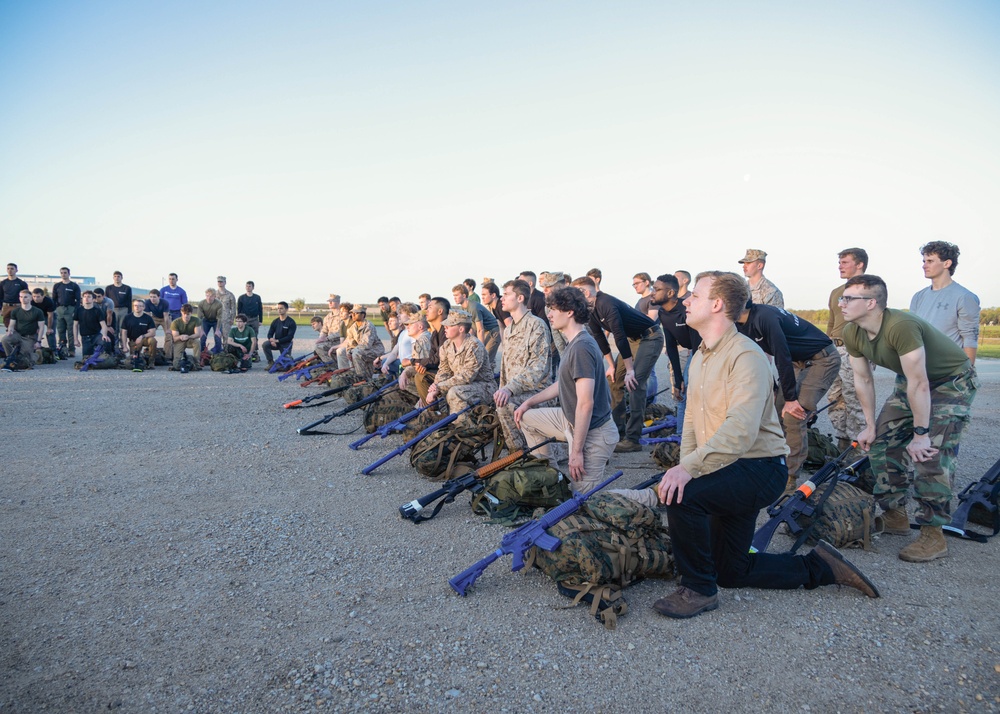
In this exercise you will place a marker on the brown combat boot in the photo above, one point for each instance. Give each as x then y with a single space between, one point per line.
896 522
844 571
929 546
684 603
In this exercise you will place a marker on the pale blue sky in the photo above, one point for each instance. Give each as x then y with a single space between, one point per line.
380 148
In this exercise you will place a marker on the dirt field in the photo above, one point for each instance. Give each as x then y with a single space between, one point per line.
168 543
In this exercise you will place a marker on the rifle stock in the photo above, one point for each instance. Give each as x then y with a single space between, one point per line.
447 493
519 541
983 492
367 470
307 430
321 395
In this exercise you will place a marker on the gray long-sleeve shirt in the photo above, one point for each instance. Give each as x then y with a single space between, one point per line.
953 309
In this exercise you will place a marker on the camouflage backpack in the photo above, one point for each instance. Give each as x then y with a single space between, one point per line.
388 409
47 356
463 441
843 516
610 543
223 362
667 454
22 360
161 358
511 496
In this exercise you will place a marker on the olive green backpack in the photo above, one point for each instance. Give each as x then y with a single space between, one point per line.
510 496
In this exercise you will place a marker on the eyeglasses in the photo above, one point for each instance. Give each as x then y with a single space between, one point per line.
848 298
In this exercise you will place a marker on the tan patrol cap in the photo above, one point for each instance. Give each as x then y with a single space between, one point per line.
457 316
753 255
548 280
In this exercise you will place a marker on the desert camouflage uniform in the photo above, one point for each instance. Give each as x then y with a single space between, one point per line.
767 293
330 336
951 403
465 374
525 369
421 350
363 345
228 315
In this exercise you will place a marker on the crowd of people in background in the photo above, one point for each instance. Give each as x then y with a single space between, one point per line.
745 373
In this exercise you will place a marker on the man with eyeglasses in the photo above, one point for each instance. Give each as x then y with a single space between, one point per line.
922 419
845 415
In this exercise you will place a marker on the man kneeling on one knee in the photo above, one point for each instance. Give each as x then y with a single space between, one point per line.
732 465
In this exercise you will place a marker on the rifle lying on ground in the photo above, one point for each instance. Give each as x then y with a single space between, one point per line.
321 395
398 425
301 368
467 482
790 506
94 358
367 470
308 429
324 376
531 534
985 493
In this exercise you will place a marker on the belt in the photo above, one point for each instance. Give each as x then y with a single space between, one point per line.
769 459
649 331
11 303
828 350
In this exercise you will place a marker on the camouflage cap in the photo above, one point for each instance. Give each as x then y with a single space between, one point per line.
753 255
548 280
359 309
334 297
457 316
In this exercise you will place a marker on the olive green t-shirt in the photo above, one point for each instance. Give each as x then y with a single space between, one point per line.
901 333
26 321
188 329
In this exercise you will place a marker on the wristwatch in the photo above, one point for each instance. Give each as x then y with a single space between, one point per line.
921 430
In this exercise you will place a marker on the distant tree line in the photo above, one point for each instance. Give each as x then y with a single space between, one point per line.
987 316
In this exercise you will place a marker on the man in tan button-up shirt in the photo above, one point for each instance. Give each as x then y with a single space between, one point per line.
732 465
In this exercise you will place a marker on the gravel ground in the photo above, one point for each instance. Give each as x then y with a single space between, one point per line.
169 543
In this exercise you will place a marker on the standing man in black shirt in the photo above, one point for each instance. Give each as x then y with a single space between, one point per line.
639 341
90 326
677 334
807 364
120 295
250 305
66 296
10 288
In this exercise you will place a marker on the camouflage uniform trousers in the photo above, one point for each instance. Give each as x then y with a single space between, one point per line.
505 415
813 379
361 361
461 395
845 415
951 404
324 346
